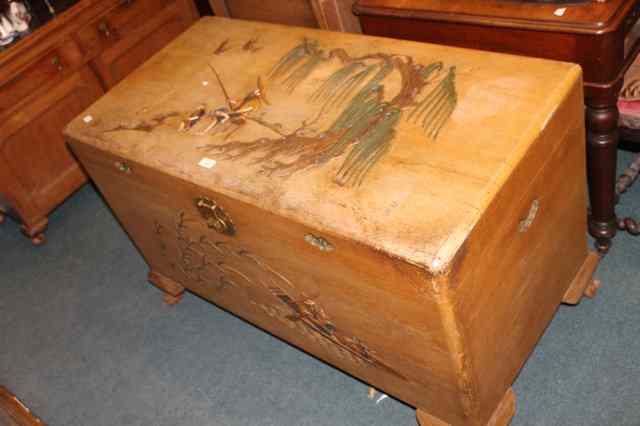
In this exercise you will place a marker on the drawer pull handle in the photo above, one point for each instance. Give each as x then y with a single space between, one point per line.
526 223
123 167
319 242
215 217
105 30
57 63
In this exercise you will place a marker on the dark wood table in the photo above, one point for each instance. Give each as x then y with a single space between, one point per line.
589 32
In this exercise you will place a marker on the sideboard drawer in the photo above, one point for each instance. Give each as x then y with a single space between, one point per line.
140 38
109 29
48 68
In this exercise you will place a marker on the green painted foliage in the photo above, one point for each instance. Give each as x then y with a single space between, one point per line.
365 128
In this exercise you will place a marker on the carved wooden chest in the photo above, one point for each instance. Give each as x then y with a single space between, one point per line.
412 214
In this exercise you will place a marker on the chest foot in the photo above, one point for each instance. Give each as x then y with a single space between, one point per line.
173 291
501 416
583 284
35 230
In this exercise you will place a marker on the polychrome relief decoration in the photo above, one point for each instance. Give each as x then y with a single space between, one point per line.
229 268
360 100
365 125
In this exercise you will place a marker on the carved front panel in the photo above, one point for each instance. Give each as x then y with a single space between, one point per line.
351 306
344 329
225 266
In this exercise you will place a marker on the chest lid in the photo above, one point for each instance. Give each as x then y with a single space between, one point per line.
397 145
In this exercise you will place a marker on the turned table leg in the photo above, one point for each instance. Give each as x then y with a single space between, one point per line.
602 145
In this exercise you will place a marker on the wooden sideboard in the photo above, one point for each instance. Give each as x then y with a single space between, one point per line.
55 73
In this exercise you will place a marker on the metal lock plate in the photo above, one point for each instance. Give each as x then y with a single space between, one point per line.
215 217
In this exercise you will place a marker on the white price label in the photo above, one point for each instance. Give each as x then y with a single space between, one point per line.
207 163
560 12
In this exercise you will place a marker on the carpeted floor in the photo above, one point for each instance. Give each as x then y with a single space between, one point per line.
85 341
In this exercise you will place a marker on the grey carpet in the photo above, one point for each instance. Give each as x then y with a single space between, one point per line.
85 341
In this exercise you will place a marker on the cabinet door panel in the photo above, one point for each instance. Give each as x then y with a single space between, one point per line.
32 147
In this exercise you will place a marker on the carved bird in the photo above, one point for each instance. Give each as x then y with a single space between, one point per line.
234 111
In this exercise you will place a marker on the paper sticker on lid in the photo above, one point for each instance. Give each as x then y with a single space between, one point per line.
560 12
207 163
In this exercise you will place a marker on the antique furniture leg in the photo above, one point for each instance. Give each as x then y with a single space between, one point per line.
35 230
173 291
501 416
583 284
25 209
625 181
602 145
629 176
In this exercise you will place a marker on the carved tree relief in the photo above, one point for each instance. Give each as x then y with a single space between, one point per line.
365 127
227 267
360 93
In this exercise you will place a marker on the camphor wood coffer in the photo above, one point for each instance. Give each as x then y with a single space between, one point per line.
412 214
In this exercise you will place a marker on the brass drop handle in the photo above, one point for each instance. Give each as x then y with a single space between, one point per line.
215 217
57 63
105 30
319 242
526 223
123 167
